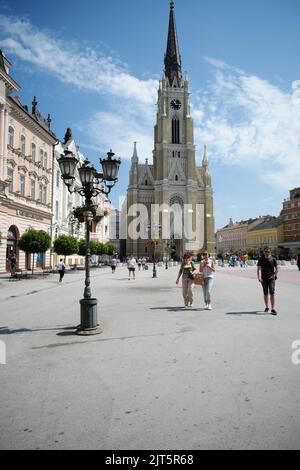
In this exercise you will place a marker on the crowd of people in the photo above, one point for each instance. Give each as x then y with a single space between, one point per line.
267 274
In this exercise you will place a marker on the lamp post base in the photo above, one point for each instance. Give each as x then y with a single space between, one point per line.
89 324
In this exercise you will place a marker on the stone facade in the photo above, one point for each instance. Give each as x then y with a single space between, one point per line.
173 179
233 238
26 166
268 233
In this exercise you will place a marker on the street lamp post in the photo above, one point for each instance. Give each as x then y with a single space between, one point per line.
92 184
167 253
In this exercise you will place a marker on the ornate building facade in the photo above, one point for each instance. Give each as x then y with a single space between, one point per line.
26 163
64 222
174 179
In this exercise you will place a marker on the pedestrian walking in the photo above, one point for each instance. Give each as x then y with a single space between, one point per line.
208 268
144 262
298 261
139 263
187 271
61 269
131 263
113 264
13 264
267 271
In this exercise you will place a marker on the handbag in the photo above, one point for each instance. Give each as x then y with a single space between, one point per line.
199 279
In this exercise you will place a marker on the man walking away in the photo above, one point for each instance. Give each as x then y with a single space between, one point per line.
61 269
267 270
298 261
113 265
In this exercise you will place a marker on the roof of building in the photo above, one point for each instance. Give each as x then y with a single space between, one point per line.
273 222
45 123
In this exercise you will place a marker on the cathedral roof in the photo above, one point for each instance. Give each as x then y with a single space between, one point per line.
172 56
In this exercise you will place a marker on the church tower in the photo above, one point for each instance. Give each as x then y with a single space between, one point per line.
174 178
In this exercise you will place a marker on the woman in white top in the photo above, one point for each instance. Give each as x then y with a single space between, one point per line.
207 267
131 267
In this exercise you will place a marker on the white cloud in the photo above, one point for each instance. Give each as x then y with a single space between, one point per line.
251 123
103 125
86 69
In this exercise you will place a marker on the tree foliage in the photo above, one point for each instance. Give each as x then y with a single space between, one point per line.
34 241
65 245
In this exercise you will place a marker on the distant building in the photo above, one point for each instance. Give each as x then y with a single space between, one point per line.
114 222
268 233
233 237
291 217
26 165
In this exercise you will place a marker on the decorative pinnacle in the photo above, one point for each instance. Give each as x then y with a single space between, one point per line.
172 5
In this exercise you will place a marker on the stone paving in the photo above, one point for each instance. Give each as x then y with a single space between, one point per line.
159 376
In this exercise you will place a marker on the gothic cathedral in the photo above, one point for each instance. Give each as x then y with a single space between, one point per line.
173 178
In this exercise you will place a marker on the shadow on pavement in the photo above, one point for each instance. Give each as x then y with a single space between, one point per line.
180 309
248 313
6 331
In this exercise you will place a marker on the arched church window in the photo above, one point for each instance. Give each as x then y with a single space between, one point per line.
175 131
176 178
146 183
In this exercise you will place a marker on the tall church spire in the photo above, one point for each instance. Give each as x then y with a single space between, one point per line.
172 56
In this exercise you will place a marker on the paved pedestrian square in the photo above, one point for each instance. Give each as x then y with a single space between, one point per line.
159 376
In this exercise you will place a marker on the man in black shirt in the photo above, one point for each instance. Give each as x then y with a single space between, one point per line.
267 270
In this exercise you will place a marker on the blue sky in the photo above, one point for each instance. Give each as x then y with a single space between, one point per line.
95 65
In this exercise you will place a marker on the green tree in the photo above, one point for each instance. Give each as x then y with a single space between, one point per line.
34 241
110 248
81 247
65 245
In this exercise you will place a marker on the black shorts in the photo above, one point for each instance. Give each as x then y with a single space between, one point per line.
268 287
131 269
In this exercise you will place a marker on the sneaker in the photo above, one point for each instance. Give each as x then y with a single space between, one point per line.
209 307
266 310
273 312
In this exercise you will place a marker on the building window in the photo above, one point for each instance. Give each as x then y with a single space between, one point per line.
11 134
32 188
175 131
10 177
176 178
22 145
33 152
57 178
45 160
22 185
43 193
56 210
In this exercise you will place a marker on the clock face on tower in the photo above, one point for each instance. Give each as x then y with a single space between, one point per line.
175 104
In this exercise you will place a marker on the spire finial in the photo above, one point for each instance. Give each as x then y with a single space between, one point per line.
205 157
135 154
172 5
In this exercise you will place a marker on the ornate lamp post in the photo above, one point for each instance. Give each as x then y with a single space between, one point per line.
92 184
